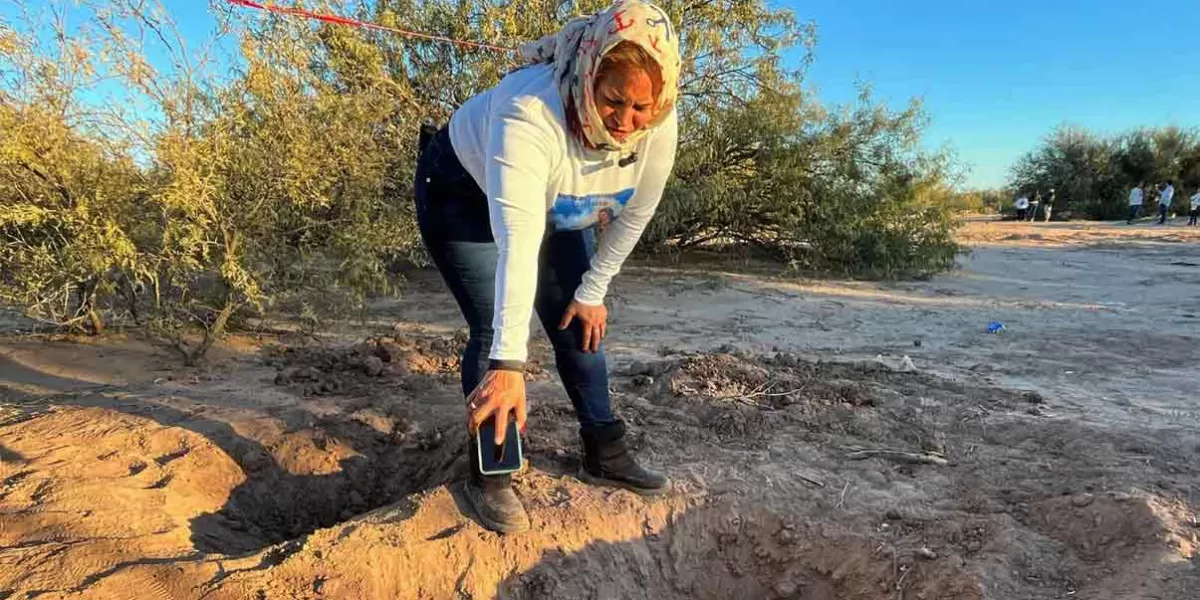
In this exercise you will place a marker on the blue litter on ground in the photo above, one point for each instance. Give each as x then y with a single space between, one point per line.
995 327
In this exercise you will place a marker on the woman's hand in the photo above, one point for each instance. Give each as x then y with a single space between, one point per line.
499 394
594 321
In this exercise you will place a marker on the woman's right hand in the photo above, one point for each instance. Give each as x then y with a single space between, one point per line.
499 394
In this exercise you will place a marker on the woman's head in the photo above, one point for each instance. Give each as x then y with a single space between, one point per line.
617 71
627 88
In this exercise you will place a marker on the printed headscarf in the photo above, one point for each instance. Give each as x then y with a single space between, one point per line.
577 50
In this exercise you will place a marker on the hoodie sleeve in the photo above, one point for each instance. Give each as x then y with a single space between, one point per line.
618 241
521 150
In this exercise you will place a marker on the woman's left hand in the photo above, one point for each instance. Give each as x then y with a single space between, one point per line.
594 322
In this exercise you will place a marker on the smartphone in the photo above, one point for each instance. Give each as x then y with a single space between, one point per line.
498 460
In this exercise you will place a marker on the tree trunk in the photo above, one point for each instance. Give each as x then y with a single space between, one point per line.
96 321
87 308
212 332
129 291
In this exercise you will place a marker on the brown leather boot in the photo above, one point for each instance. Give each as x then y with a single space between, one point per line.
493 499
607 461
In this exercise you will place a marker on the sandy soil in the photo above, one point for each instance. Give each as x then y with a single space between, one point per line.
827 439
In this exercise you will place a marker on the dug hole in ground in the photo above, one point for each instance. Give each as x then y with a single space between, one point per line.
811 460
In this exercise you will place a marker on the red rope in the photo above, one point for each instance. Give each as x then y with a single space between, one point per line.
339 20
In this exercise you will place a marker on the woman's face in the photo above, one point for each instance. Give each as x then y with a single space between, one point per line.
625 100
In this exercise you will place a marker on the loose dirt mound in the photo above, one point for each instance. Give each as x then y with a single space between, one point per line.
322 370
793 480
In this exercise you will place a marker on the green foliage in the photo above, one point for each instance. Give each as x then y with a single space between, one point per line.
1093 174
978 202
842 191
281 177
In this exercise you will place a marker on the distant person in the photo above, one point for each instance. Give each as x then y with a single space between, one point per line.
1033 207
1194 208
1165 194
1048 205
1021 204
1136 196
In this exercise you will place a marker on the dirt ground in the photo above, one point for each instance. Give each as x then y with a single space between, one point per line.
827 440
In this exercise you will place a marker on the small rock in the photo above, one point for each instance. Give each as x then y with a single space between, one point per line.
892 515
1033 398
640 367
643 380
786 359
786 589
284 377
926 553
917 343
330 386
254 460
373 366
1121 497
389 351
1082 500
974 546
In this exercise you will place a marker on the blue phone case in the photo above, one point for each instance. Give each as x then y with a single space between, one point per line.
513 455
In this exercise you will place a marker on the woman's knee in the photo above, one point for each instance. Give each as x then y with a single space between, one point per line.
577 360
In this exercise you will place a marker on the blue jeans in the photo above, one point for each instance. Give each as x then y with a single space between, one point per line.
452 214
1162 212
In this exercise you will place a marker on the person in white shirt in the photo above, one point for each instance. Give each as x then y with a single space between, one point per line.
1166 193
1048 206
1022 206
509 196
1194 208
1136 197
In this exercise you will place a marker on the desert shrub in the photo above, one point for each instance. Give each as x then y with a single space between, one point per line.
839 191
